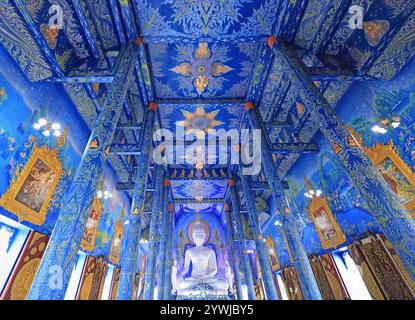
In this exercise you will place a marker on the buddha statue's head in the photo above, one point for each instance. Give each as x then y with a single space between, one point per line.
199 235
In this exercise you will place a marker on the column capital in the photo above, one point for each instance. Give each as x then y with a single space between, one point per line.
249 105
152 106
226 206
271 41
139 41
166 183
171 207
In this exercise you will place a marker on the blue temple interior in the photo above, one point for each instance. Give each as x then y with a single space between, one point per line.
201 62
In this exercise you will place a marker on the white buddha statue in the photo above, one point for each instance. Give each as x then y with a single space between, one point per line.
204 266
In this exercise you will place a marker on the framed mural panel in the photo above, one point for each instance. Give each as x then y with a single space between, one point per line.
272 254
90 232
329 231
30 193
395 171
116 242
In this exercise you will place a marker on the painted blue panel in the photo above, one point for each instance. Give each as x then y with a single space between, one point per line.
203 70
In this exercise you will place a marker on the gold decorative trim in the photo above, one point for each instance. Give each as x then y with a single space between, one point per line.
320 204
49 158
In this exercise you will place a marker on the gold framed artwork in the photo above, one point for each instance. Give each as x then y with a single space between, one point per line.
31 191
90 232
328 230
395 171
116 242
272 254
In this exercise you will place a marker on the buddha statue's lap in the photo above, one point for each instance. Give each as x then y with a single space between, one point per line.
204 266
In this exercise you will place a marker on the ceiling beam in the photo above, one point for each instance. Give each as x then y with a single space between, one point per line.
297 147
129 186
180 101
125 149
333 73
193 200
132 126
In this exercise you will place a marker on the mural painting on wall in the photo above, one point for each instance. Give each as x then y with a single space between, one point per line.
394 170
115 252
272 254
31 191
90 232
329 232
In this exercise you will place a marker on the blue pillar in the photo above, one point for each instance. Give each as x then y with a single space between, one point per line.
392 217
163 242
169 255
260 244
249 281
55 269
301 263
153 238
132 247
233 257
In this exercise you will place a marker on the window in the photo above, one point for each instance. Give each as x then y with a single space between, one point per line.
107 283
75 277
351 276
281 285
13 237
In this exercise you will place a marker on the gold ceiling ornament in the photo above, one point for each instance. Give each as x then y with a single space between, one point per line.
393 169
202 68
31 191
199 122
328 230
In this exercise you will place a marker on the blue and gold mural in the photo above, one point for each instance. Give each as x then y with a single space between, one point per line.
37 167
207 70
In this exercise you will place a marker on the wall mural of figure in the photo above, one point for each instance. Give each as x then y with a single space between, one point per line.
90 232
115 252
31 192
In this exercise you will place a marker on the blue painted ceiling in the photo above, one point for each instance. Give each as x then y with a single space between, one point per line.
201 61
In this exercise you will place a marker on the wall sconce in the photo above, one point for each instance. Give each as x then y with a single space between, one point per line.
42 123
313 193
278 223
386 124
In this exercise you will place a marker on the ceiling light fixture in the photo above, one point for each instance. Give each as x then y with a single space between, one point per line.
43 123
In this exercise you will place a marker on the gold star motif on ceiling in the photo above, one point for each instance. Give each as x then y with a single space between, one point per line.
199 122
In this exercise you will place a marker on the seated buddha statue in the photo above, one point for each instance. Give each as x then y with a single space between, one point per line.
204 266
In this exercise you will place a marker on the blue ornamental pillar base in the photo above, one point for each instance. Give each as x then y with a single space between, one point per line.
236 213
132 247
169 255
232 252
392 217
55 269
260 245
150 275
301 263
